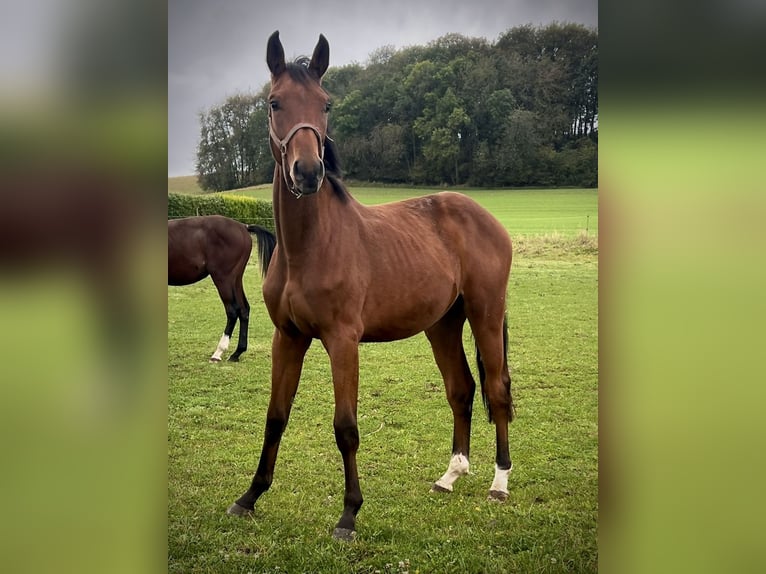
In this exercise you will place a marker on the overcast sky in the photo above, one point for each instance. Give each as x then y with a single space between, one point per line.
218 48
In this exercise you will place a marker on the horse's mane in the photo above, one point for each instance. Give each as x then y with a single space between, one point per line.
299 72
333 170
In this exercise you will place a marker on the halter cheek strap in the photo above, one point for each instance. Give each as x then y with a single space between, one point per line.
282 144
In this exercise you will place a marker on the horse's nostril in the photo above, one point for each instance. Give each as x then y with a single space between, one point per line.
297 174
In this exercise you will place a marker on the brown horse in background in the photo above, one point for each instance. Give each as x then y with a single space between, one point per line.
345 273
220 247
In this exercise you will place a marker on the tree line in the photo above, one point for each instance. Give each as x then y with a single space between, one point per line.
522 111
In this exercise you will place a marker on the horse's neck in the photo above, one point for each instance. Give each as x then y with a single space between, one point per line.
303 224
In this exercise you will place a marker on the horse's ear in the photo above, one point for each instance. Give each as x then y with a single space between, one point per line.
275 55
321 58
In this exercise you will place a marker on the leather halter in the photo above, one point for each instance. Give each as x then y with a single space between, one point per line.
282 144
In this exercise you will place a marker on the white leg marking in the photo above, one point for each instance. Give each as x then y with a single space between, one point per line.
223 344
458 466
500 483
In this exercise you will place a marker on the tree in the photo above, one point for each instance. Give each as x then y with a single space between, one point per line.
233 150
521 149
442 128
339 81
521 111
379 156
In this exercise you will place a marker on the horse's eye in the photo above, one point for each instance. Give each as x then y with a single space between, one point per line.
327 107
274 105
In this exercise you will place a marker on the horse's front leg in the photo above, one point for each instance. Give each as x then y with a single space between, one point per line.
286 365
344 360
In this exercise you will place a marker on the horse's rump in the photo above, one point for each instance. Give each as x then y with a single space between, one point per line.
203 245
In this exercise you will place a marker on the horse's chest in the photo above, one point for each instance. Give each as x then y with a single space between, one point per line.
305 307
298 306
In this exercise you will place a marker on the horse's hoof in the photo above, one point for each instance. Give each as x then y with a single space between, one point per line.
344 534
497 496
215 359
439 488
234 359
237 510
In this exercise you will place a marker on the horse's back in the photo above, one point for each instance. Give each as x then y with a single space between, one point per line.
452 221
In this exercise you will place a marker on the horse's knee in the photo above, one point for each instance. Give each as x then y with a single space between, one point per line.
346 435
275 427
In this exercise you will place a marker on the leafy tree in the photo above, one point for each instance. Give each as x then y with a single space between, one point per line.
442 128
519 161
346 114
342 79
522 111
379 156
233 149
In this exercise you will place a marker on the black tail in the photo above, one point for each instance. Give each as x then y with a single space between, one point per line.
483 376
266 244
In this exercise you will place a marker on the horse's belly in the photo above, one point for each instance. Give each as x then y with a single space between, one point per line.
386 311
185 272
401 315
384 333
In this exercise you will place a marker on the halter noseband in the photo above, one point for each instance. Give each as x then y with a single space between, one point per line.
282 144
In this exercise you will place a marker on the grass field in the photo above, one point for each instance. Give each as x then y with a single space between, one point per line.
523 211
549 524
184 184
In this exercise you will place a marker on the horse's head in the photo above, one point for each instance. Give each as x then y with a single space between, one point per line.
298 108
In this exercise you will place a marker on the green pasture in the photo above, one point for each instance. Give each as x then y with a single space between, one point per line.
522 211
217 412
184 184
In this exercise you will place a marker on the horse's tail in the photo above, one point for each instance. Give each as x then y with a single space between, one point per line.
483 375
266 244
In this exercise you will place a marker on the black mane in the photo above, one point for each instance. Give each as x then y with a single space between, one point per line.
299 70
333 169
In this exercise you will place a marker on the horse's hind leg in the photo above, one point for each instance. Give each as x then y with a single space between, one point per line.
286 365
243 308
226 292
446 338
489 330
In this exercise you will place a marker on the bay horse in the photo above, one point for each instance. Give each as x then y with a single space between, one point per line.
220 247
346 273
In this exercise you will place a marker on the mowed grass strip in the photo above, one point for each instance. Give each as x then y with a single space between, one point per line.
217 415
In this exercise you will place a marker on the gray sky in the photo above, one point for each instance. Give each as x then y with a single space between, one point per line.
218 48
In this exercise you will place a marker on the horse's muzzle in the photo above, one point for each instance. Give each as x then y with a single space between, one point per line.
308 176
